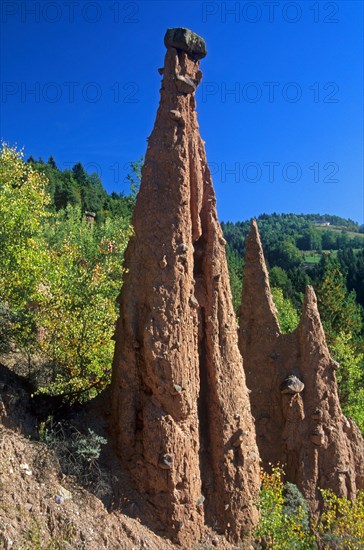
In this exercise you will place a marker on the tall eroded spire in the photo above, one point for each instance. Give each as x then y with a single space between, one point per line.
181 409
257 307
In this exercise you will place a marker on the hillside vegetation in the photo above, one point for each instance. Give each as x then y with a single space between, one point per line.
60 274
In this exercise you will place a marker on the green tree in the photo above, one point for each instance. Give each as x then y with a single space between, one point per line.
59 280
352 266
134 177
279 278
286 255
77 307
342 321
236 274
287 315
329 240
350 376
338 308
80 174
52 162
310 239
66 191
23 202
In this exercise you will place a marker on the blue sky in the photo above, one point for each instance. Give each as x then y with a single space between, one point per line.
280 105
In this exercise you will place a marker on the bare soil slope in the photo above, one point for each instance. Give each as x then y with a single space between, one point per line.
41 508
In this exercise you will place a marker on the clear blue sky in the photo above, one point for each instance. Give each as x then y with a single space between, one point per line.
280 105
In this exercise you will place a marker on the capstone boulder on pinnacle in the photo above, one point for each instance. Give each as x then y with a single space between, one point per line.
187 41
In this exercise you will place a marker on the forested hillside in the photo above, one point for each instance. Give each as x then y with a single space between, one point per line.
76 187
296 248
62 243
305 231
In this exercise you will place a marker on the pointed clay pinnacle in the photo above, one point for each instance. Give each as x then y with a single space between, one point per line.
254 251
179 396
310 328
310 301
310 312
256 287
254 227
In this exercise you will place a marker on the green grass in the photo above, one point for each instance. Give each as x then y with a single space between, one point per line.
336 229
311 257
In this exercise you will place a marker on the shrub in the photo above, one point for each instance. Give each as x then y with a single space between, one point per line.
341 525
78 453
295 503
284 522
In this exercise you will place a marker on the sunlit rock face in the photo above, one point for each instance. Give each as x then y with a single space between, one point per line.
294 396
181 410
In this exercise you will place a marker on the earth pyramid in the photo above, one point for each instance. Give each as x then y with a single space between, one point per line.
181 409
294 395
